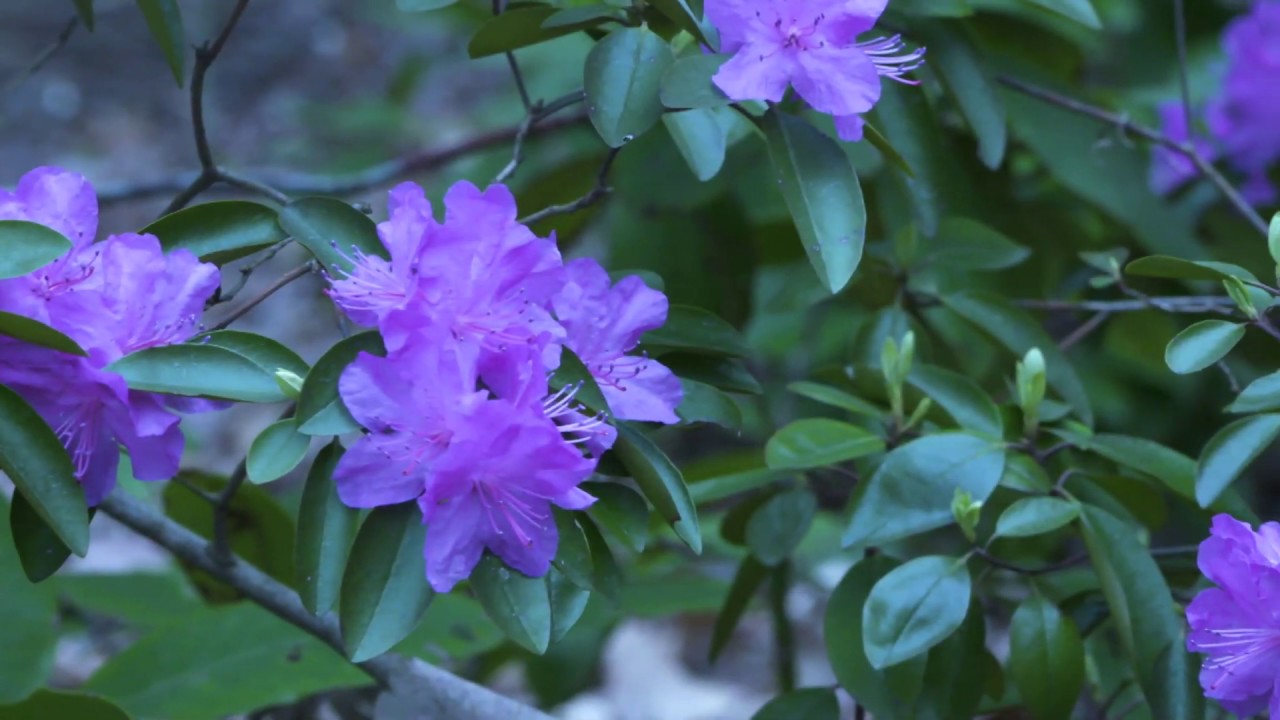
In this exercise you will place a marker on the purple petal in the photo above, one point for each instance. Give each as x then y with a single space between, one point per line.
756 72
366 477
839 81
456 534
642 389
59 199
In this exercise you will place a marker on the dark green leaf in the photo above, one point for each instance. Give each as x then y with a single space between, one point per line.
953 682
660 481
219 232
573 555
28 634
332 230
164 19
703 403
572 371
776 529
1019 332
911 491
963 400
684 16
27 246
517 604
1079 10
320 409
567 600
1175 470
835 397
521 27
55 705
455 628
621 80
198 370
1046 659
964 244
725 373
1036 515
1202 345
38 546
1164 266
1024 474
1261 395
751 574
34 459
578 15
700 138
384 588
622 511
822 193
1230 451
913 608
818 442
970 83
687 83
28 330
220 662
84 8
423 5
144 600
694 330
807 703
276 451
606 576
325 528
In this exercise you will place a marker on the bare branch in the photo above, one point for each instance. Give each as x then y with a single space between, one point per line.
294 274
1177 304
220 544
600 189
1084 330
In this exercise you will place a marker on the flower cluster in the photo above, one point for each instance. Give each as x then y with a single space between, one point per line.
1243 117
1237 623
460 416
112 298
810 45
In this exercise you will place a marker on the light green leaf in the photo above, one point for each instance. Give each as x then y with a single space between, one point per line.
1230 451
262 351
913 608
276 451
332 230
568 602
1035 516
1261 395
1046 659
1202 345
703 403
198 370
27 246
688 83
219 232
835 397
325 529
700 138
1079 10
778 526
164 19
384 588
1173 469
34 459
622 76
818 442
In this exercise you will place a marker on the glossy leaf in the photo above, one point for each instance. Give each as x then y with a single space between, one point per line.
334 232
747 580
56 705
164 19
325 530
688 83
776 529
694 330
822 193
34 459
568 602
1261 395
262 351
219 232
700 138
384 590
1173 469
1035 516
960 397
1202 345
1230 451
1046 659
276 451
622 511
660 481
1164 266
520 27
819 442
702 403
27 330
517 604
835 397
39 549
606 575
27 246
963 243
808 703
197 370
320 409
29 633
622 76
913 608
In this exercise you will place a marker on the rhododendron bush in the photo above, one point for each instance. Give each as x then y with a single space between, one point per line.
908 358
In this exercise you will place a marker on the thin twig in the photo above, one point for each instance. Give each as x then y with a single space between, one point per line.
1084 330
1126 125
1231 377
223 296
1023 570
294 274
220 544
783 634
1177 304
519 78
45 55
600 189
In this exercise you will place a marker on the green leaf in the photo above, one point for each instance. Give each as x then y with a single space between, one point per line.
325 529
913 608
685 17
700 138
34 459
456 628
1230 451
55 705
568 602
808 703
198 370
911 491
1019 332
965 244
143 600
1079 10
688 83
84 8
384 588
573 555
219 232
1036 515
955 675
219 662
725 373
660 481
28 634
39 549
934 8
879 691
746 581
332 230
521 27
1202 345
27 246
1173 469
28 330
164 19
835 397
1175 268
703 403
606 576
262 351
819 442
822 193
276 451
1261 395
1046 659
622 511
970 83
776 529
1146 618
1024 474
694 330
517 604
320 408
621 80
423 5
963 400
583 14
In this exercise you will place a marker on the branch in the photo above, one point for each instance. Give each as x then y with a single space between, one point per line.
600 190
1178 304
300 271
220 545
435 692
44 56
1126 125
302 183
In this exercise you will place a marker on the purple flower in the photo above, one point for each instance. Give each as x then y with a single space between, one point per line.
1171 169
603 322
114 297
1244 117
810 45
1237 623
